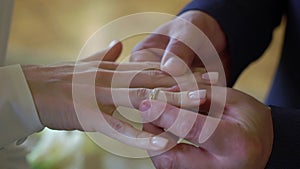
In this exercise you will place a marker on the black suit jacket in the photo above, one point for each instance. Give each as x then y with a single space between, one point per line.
249 25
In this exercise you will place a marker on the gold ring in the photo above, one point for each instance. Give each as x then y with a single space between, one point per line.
153 94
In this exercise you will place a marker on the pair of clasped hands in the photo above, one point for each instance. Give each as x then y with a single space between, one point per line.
242 139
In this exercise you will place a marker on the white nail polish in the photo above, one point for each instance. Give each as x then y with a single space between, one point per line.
113 43
159 142
212 76
197 95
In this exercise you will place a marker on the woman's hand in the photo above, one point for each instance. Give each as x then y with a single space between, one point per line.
243 138
56 90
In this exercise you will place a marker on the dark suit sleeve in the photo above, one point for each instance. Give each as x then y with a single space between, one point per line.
286 146
248 25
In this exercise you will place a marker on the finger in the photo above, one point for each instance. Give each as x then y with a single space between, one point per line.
106 65
190 125
202 83
129 66
172 139
110 54
185 99
149 78
150 49
119 79
91 120
177 58
204 106
129 135
148 127
114 52
152 129
215 101
185 156
169 118
134 96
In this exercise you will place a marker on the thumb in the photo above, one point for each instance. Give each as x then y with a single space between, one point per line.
114 51
111 54
177 58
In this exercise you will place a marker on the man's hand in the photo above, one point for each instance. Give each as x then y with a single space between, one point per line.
176 56
243 138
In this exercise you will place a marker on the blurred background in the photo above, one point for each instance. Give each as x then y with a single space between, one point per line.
47 32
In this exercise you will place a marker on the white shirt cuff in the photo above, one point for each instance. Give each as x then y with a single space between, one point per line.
18 115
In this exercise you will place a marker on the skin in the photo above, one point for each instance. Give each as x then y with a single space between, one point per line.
243 138
51 87
172 48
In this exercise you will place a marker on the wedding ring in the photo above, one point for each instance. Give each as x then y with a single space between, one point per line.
153 94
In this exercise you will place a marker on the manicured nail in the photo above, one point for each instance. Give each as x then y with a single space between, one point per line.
113 43
174 66
197 95
212 76
159 142
146 105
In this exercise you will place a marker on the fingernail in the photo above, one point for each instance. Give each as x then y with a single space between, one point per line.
159 142
113 43
144 106
212 76
174 66
197 95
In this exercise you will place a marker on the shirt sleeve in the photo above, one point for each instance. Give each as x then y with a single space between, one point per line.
18 115
286 146
248 25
